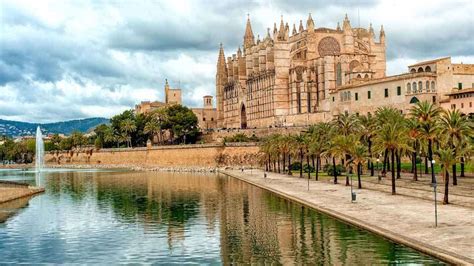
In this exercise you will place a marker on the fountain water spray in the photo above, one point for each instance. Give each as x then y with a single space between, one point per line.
39 150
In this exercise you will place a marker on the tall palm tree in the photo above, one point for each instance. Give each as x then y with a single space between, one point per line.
316 147
413 133
359 153
392 137
152 128
367 130
345 143
301 146
455 127
128 127
427 114
446 159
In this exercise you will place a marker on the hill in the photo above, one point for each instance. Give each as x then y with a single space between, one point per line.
17 128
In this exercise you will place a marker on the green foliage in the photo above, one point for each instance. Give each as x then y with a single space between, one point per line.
328 168
241 137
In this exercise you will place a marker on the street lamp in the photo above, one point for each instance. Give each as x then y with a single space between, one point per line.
434 184
353 194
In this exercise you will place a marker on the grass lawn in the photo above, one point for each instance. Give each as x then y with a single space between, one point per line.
468 168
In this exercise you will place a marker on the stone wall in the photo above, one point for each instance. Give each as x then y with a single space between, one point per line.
207 155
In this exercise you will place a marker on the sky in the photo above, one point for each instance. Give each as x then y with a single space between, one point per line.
62 60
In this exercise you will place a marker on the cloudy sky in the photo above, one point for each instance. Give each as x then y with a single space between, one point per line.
64 60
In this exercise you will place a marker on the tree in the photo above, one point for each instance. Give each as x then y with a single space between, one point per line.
127 128
446 159
359 154
413 133
153 128
456 128
181 122
392 136
367 130
427 115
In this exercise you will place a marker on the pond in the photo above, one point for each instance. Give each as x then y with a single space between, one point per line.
118 216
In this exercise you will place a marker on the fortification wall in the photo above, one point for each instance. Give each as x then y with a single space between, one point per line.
206 155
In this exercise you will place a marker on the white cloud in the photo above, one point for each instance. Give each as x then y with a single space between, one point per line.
72 59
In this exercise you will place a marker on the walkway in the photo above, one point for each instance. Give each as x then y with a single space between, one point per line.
404 219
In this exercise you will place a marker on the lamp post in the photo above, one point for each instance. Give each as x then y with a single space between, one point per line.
434 185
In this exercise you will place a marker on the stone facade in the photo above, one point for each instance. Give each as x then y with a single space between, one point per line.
315 73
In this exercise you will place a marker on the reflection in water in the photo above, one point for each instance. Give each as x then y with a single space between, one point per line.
94 217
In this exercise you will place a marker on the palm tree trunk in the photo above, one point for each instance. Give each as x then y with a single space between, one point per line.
384 167
312 161
289 163
278 162
284 162
317 168
398 161
462 167
371 164
426 165
393 173
359 166
274 166
446 186
415 172
334 169
455 179
301 163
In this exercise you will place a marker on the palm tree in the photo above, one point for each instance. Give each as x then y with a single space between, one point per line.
446 159
427 115
413 133
346 124
456 127
153 128
391 137
367 130
345 143
316 147
128 126
301 146
359 154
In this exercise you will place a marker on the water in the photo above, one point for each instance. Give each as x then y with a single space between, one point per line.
114 217
39 155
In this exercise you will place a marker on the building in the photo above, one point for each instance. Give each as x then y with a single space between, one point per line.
207 116
313 74
460 99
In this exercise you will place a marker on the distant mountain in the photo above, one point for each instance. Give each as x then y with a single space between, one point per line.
16 128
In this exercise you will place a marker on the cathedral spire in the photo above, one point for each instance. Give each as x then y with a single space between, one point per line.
249 39
221 65
294 32
346 25
269 37
371 31
310 23
301 29
338 26
382 35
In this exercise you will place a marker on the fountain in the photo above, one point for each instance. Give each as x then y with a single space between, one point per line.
39 150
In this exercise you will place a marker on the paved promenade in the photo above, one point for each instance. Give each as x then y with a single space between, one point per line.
402 218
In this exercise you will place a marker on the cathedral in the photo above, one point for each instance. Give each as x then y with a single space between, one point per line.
288 76
308 74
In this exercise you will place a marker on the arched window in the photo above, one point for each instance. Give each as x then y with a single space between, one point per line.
408 88
428 69
433 88
427 86
413 70
420 69
366 76
414 87
359 76
338 74
414 100
420 86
